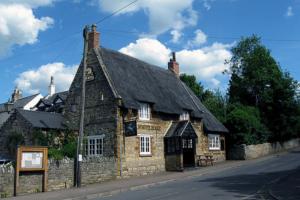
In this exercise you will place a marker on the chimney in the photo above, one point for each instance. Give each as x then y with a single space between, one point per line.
51 87
16 95
93 38
173 66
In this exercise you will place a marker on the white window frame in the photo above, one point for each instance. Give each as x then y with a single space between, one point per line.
145 145
214 142
184 116
93 148
144 111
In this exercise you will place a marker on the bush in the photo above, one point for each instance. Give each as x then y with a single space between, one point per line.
245 125
61 144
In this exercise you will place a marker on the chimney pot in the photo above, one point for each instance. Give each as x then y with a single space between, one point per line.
173 66
93 41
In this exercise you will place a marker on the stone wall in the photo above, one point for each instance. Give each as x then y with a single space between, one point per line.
245 152
100 119
60 176
6 180
202 144
97 169
14 125
133 163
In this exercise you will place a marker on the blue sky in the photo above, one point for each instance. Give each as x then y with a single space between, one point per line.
40 38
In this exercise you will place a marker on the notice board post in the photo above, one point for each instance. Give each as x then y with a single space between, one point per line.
31 159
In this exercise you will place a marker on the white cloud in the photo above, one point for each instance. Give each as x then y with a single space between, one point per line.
29 3
206 63
35 81
150 50
176 35
21 28
163 15
207 4
199 39
289 12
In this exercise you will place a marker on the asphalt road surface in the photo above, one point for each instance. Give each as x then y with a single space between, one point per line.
277 177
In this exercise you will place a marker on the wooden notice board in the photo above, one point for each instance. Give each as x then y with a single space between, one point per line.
31 159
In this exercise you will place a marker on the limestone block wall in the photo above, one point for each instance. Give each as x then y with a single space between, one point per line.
60 176
98 169
202 143
6 180
245 152
133 163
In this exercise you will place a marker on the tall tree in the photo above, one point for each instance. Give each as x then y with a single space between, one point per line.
215 102
190 81
257 80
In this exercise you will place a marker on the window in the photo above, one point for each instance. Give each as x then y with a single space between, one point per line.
214 142
187 143
145 145
94 145
184 116
144 111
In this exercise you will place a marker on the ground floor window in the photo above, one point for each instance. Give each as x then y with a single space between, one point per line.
214 142
94 145
145 145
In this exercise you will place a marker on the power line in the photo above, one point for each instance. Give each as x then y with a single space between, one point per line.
212 37
116 11
72 34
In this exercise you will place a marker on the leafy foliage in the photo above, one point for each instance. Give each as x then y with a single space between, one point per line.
245 125
257 80
14 139
61 144
262 103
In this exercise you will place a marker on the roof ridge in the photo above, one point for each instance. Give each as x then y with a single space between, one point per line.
28 96
137 59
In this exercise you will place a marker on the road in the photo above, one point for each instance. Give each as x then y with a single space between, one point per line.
275 178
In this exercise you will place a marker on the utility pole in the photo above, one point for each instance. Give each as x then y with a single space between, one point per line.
81 127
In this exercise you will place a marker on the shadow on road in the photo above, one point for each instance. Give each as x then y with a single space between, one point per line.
284 184
295 151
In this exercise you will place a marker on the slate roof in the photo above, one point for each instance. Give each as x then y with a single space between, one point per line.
3 117
20 103
62 95
2 107
178 129
136 81
43 120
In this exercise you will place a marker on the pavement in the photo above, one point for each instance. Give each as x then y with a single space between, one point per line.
227 177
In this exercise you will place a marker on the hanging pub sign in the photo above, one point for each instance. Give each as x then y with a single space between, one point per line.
130 128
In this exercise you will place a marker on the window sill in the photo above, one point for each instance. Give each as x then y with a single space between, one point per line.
215 149
146 155
145 120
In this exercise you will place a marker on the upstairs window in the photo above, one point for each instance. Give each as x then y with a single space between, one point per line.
214 142
144 111
184 116
94 145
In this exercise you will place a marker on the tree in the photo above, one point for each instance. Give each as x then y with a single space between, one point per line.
216 103
258 81
213 101
190 81
245 125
